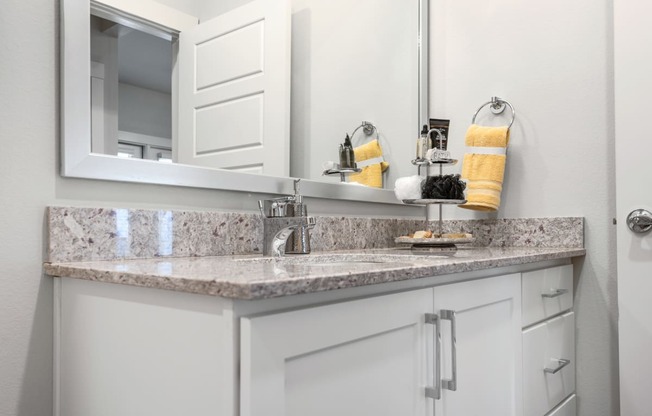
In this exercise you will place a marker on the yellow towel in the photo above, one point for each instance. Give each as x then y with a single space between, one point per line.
481 136
478 167
484 172
371 175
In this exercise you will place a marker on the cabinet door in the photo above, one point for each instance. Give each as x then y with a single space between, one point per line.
484 358
363 357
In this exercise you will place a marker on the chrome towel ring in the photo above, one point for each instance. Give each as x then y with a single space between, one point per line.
497 106
368 128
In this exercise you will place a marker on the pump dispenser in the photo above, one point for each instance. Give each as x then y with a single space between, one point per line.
347 155
423 143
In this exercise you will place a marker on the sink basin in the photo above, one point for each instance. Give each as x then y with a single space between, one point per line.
347 263
341 260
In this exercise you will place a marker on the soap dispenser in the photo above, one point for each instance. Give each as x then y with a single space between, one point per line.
423 143
347 155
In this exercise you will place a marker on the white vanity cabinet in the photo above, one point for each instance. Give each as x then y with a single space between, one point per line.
376 356
449 345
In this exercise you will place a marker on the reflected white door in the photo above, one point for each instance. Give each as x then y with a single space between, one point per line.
234 90
633 87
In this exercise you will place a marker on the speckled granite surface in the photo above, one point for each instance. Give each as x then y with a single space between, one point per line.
522 232
88 234
259 278
341 233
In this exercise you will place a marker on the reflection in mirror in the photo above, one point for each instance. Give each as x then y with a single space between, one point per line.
340 75
355 61
131 86
351 63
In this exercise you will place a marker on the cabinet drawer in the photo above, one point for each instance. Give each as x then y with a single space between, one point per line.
567 408
546 292
545 345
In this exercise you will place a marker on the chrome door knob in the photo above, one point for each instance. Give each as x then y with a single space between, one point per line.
640 220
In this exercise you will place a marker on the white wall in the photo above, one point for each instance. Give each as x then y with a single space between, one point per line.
144 111
28 126
353 62
553 61
560 164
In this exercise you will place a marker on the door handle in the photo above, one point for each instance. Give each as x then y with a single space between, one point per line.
640 221
435 392
554 293
452 383
562 363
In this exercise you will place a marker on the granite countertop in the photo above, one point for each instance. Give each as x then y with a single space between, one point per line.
255 277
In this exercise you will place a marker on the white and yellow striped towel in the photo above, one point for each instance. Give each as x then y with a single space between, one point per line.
484 166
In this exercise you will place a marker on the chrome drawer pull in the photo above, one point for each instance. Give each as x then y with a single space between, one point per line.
435 392
452 383
554 293
562 363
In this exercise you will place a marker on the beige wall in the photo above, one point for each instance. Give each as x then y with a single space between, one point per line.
560 164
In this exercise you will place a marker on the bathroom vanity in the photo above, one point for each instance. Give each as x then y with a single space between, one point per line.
385 332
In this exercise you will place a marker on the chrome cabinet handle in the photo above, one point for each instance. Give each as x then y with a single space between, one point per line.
554 293
452 383
640 220
562 363
435 392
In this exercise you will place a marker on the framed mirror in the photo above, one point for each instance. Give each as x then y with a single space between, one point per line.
329 82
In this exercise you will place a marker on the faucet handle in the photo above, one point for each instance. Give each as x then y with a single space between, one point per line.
276 207
284 206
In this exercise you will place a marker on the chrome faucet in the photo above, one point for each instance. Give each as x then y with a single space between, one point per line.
286 224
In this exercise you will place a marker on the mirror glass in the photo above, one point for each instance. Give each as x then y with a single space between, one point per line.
131 92
353 68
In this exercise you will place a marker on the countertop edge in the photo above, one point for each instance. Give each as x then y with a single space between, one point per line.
260 289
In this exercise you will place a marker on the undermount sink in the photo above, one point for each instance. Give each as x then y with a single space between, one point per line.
346 263
340 260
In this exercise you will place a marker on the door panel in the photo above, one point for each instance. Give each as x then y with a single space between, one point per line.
488 347
234 90
633 66
229 125
354 377
364 357
242 49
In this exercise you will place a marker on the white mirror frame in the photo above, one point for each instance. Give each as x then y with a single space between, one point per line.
77 161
